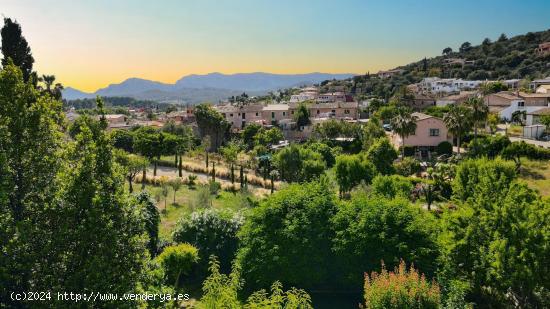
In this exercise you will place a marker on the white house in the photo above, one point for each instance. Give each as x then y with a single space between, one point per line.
447 85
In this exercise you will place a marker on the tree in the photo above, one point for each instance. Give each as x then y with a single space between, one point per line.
248 134
16 48
147 143
132 163
288 238
400 289
479 112
364 223
123 139
480 175
372 131
175 184
301 116
545 120
211 123
165 189
178 260
100 222
502 38
447 51
30 140
213 232
268 137
466 46
391 186
230 153
382 154
296 164
351 170
152 220
497 243
458 121
404 124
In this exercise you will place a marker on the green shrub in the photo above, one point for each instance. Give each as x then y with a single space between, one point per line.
391 186
213 232
407 166
177 261
400 289
214 187
444 148
382 154
409 151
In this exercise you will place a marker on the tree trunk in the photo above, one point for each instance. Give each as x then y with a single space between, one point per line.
180 167
144 178
174 196
458 143
207 159
131 189
402 147
213 171
272 185
175 160
232 173
242 177
155 168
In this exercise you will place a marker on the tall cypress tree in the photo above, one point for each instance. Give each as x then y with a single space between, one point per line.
16 48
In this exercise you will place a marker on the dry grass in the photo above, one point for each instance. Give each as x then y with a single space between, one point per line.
537 175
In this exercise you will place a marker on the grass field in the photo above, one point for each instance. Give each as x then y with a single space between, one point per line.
537 175
187 200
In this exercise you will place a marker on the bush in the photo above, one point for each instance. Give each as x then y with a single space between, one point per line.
382 154
214 187
400 289
409 151
351 170
176 261
288 238
444 148
213 232
391 186
407 166
372 229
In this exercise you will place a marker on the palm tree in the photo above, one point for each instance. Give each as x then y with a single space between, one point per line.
404 124
458 121
48 80
480 111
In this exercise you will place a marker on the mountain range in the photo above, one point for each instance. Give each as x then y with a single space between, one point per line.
209 87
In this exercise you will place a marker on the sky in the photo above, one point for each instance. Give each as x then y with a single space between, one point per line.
91 44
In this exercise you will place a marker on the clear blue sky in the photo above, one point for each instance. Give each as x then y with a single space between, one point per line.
89 44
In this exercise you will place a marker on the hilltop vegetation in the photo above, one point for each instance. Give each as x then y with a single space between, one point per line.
504 58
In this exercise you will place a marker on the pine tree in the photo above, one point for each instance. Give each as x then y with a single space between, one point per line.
16 48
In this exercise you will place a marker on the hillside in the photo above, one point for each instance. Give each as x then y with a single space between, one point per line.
504 58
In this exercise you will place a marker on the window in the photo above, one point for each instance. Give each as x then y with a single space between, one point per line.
333 111
521 103
346 111
292 112
317 111
284 113
230 115
272 114
244 115
434 132
256 114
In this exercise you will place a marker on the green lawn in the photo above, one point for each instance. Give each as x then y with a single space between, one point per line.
186 202
537 175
